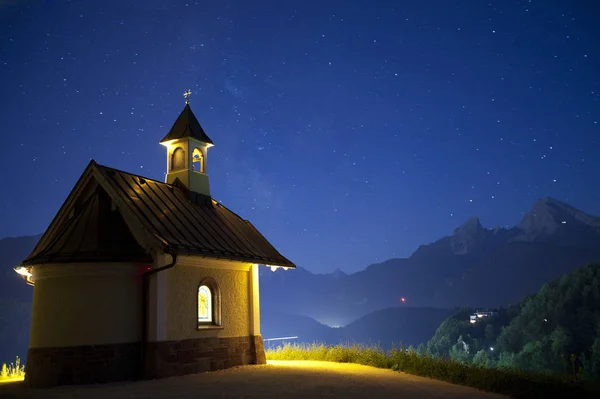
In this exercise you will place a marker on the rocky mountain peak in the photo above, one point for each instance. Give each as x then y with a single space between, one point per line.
337 273
548 214
471 226
468 236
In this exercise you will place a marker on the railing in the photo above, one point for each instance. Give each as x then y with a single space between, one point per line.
268 341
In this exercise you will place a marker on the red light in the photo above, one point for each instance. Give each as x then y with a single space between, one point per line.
403 299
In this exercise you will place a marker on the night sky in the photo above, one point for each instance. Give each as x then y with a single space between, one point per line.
347 132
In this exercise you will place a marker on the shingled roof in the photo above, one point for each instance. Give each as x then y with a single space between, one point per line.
187 125
151 216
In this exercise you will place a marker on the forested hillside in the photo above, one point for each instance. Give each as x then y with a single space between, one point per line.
556 330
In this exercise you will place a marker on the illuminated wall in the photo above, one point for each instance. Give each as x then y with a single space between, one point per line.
86 304
182 282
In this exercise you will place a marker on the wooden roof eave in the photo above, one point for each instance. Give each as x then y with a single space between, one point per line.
228 257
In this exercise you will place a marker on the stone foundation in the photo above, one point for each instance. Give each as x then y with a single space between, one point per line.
48 367
172 358
90 364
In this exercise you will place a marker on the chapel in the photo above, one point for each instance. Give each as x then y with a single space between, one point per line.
137 278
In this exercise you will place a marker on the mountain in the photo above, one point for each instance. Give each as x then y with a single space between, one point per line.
410 326
274 324
468 237
552 221
338 273
474 266
407 325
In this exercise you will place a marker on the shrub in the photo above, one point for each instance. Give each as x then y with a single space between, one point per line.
11 370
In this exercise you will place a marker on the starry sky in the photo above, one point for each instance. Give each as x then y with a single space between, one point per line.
348 132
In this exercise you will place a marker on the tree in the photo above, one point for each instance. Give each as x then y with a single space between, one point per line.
591 365
506 360
534 357
561 341
460 351
482 359
561 320
490 334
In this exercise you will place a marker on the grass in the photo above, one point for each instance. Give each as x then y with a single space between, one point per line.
12 371
516 384
513 383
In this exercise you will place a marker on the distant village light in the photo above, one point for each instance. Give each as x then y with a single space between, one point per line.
482 314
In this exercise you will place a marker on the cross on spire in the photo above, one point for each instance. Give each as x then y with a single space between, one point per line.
187 95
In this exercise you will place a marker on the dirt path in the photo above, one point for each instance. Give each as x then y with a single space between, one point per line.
278 379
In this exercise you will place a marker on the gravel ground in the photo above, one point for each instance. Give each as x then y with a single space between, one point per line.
278 379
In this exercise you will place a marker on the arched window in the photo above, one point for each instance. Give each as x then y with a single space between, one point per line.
205 308
209 303
198 160
178 159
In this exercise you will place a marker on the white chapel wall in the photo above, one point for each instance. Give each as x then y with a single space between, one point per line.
86 304
182 300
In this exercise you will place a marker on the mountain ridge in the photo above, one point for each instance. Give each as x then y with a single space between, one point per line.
455 270
544 217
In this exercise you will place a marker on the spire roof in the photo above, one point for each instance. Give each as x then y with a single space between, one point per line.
186 126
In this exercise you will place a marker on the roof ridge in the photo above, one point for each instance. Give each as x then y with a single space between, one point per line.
132 174
160 217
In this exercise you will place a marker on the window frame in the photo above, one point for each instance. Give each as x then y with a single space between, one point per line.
215 293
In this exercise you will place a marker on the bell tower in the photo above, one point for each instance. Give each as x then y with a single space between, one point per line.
187 147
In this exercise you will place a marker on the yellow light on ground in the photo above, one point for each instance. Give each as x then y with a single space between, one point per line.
12 379
333 367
